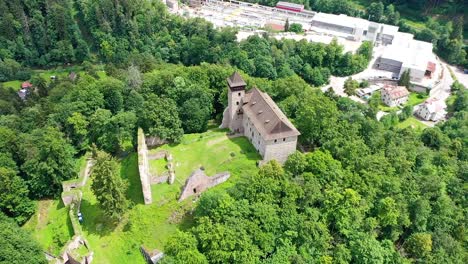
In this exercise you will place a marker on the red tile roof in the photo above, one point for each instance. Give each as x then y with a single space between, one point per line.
431 67
275 26
26 85
395 92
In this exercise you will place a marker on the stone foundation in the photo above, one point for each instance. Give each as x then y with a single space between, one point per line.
146 177
143 167
199 182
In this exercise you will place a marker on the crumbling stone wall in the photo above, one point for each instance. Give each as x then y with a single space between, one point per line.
199 182
154 141
143 167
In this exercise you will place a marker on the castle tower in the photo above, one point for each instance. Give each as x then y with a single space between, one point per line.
235 94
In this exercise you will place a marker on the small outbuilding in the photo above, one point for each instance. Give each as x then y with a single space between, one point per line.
394 95
26 85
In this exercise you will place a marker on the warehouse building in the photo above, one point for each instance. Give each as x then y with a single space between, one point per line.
408 54
353 28
290 6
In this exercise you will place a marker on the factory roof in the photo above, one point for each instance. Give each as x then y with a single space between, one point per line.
413 54
292 5
389 30
341 20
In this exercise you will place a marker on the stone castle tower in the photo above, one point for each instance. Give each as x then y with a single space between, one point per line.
255 115
236 93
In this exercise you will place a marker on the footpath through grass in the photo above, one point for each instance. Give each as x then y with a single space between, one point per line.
50 225
151 225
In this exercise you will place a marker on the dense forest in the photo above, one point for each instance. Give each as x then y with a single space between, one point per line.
363 192
48 33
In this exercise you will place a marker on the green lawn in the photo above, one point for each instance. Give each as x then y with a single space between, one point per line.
50 225
413 99
60 73
385 108
412 122
158 167
16 85
151 225
416 98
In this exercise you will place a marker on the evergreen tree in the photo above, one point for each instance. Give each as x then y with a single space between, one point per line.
108 186
405 79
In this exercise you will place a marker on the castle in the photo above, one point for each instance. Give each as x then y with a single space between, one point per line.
256 116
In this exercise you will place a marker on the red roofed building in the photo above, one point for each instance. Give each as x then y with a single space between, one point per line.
274 26
431 67
394 95
26 85
290 6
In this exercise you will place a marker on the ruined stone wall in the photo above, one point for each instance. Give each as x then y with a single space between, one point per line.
218 179
154 141
158 155
143 167
199 182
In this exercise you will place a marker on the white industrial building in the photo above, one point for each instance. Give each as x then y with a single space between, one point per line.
401 51
405 53
353 28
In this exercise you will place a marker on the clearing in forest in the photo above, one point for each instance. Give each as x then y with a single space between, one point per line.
151 225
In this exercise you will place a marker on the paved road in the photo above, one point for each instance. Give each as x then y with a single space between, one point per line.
441 91
462 77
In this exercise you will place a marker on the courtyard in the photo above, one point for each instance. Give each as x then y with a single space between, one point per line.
148 225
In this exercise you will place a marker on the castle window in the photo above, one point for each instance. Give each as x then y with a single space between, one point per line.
238 94
276 140
237 103
252 134
284 139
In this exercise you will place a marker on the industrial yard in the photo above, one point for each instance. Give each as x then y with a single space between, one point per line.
394 51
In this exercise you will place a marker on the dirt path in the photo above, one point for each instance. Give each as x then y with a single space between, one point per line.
87 171
216 140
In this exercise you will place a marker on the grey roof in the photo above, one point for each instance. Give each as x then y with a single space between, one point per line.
266 116
235 80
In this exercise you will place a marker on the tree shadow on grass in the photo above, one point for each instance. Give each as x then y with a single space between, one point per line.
60 204
247 149
94 221
129 172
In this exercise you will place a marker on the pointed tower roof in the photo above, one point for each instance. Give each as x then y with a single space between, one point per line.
235 80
